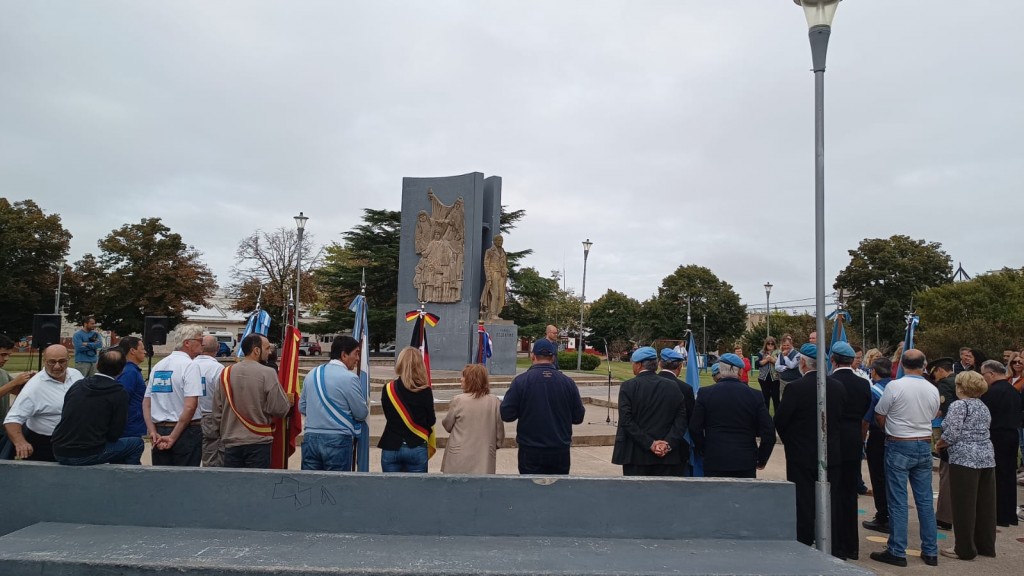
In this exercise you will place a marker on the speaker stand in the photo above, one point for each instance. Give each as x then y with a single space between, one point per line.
39 365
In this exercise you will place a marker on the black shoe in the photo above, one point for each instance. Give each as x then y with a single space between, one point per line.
887 558
876 525
943 525
854 556
929 560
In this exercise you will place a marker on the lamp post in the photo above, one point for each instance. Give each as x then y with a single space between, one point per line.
583 302
863 330
300 223
819 14
877 339
767 309
56 294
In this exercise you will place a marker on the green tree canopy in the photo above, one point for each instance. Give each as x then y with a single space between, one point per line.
665 313
530 299
143 269
613 317
885 273
32 247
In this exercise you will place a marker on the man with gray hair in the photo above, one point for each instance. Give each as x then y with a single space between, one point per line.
209 372
172 401
1003 402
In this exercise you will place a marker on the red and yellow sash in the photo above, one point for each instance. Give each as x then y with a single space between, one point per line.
426 435
258 429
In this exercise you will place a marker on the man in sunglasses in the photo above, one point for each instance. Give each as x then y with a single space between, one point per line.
171 404
36 411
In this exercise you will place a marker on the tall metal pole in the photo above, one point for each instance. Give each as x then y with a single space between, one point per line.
819 36
583 302
876 330
300 223
704 319
767 309
863 330
56 296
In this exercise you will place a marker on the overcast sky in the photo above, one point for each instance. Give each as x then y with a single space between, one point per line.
667 132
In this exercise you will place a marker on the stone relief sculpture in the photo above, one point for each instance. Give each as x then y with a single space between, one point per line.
492 300
440 244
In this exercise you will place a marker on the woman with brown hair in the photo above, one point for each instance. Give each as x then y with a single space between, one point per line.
474 422
767 375
408 442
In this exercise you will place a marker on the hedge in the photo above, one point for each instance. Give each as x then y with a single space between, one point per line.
567 361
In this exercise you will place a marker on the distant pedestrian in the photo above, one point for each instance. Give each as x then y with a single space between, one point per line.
474 424
551 334
87 342
408 402
788 364
1004 405
745 372
546 403
768 376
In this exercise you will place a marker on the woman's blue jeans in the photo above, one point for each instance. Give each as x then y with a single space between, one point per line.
405 459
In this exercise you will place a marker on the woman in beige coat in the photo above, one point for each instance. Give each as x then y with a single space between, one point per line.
475 426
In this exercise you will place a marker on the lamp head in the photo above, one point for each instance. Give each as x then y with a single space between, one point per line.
818 12
586 246
300 221
767 287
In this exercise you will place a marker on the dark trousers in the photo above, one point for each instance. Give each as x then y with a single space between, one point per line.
772 392
805 478
713 473
876 469
248 456
654 470
1006 444
543 460
974 510
846 514
42 450
187 449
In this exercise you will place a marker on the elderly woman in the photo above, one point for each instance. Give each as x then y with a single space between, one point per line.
474 423
972 469
407 442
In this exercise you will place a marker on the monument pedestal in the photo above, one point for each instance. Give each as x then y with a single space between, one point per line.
504 343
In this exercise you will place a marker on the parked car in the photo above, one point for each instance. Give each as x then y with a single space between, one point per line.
310 349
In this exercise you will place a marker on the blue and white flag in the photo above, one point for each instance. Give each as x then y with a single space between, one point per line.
483 351
361 332
838 318
259 323
693 379
908 342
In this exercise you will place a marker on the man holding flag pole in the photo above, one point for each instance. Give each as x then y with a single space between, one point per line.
361 332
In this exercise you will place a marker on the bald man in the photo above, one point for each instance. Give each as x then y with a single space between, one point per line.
36 411
551 333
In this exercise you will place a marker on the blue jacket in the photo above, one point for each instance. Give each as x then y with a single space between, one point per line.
344 389
131 379
546 403
86 345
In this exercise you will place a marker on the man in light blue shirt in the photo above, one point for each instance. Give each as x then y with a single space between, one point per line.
335 409
87 342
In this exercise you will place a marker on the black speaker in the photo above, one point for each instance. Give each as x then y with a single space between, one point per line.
45 330
154 332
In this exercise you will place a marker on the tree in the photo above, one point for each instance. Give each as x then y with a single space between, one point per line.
612 320
885 273
143 269
266 262
32 246
666 312
530 298
985 313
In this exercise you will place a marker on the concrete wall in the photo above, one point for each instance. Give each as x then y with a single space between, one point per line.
403 504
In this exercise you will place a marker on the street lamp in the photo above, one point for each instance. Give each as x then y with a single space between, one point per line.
583 301
768 309
60 279
876 330
300 223
819 15
863 330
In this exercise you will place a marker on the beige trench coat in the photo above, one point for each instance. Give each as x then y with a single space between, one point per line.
476 431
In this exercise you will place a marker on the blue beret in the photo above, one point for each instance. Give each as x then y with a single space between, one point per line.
732 360
809 350
714 369
843 349
543 347
645 353
670 355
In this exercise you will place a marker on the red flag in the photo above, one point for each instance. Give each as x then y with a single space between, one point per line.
286 430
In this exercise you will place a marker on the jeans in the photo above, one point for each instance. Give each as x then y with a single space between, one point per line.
248 456
86 368
405 459
331 452
123 451
910 460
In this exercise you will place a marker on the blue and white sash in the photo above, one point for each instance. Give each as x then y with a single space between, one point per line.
335 412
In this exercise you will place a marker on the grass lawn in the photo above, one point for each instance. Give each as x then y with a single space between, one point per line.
20 362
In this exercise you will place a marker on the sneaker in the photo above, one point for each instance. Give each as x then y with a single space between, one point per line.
930 560
877 525
887 558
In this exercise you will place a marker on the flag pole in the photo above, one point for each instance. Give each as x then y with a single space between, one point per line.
608 358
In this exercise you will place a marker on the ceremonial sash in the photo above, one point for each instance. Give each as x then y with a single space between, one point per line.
403 412
334 412
258 429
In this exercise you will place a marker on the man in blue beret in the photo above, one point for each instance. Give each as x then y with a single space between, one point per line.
671 368
797 423
728 420
856 403
652 421
714 372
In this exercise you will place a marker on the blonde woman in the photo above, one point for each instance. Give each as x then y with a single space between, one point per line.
474 423
407 442
869 359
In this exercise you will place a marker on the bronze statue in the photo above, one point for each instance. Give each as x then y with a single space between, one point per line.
492 300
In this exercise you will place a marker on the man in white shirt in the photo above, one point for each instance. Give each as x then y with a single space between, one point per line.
171 405
209 370
36 410
905 411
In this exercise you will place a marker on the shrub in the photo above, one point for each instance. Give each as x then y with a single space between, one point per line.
567 361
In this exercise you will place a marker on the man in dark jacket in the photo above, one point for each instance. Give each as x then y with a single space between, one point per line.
881 374
797 423
652 422
727 421
93 418
857 402
1003 402
941 372
671 368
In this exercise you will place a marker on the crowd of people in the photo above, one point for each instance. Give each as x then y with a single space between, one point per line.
196 410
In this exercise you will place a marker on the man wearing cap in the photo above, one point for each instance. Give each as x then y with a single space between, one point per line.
671 368
546 404
856 403
727 421
714 372
652 421
797 423
941 372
